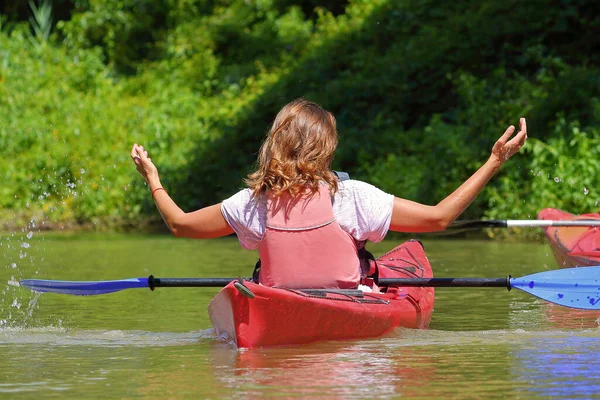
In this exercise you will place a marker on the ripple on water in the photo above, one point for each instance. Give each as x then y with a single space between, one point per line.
59 336
412 337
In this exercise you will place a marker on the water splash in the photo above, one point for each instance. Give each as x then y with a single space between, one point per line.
20 251
33 304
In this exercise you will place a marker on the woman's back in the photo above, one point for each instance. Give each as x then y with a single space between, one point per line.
361 210
304 247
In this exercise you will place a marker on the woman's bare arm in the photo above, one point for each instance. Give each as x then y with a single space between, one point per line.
410 216
207 222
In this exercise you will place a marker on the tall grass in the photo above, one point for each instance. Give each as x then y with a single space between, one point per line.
41 20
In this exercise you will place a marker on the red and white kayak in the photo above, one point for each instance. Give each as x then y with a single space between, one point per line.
576 245
280 316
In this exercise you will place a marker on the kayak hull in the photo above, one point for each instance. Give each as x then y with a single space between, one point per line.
279 316
572 246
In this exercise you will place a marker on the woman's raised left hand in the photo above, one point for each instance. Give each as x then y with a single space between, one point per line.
504 148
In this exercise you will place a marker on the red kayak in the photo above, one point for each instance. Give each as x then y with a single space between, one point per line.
572 246
279 316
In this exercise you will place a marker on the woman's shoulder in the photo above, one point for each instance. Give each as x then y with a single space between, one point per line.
245 213
358 194
243 197
363 210
356 187
244 205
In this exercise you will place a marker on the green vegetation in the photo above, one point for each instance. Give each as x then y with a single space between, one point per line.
421 90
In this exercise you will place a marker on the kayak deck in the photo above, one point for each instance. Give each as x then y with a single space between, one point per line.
572 246
280 316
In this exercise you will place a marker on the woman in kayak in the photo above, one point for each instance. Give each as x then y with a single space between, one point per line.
307 225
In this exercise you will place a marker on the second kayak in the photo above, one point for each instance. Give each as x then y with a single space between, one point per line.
572 246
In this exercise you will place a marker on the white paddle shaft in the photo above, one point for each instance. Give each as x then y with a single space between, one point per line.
546 223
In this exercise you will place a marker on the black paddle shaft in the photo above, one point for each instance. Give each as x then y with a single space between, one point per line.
469 224
446 282
188 282
418 282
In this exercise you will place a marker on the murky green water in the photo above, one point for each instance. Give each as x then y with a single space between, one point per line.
483 343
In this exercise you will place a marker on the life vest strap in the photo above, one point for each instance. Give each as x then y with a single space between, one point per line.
304 228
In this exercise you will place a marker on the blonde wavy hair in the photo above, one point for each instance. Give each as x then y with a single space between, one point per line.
297 152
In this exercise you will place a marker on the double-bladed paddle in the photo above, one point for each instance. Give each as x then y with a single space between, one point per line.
571 287
521 223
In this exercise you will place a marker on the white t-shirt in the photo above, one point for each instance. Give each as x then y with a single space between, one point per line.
361 209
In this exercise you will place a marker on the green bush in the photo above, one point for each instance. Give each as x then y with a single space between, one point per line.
421 90
560 173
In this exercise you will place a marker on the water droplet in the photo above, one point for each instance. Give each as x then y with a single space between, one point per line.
29 235
82 171
25 245
556 179
585 190
13 265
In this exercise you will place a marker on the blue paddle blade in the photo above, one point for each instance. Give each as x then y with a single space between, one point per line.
570 287
84 288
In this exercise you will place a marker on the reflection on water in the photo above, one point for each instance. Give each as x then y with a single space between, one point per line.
349 370
559 367
565 318
415 363
411 363
483 343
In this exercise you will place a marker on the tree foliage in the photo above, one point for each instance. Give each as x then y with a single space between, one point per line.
421 90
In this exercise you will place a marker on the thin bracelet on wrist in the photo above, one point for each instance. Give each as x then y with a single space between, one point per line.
156 190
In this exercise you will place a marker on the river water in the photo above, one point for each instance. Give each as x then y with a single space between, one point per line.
482 342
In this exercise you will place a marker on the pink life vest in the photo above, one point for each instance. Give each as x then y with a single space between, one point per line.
304 247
